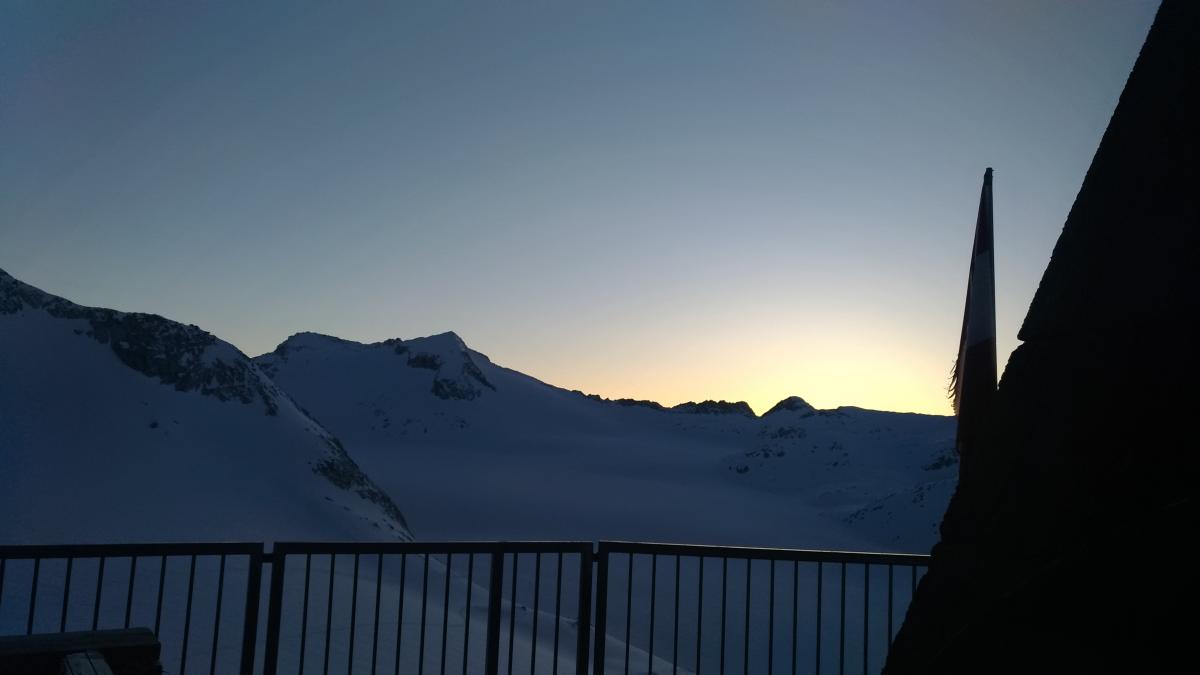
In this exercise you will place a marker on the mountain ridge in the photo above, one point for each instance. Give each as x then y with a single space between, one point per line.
53 352
707 406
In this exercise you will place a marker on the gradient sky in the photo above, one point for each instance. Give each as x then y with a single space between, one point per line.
664 200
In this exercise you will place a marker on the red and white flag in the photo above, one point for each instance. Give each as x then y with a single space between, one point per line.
974 381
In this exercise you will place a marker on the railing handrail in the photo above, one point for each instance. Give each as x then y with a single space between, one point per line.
419 547
760 553
55 551
93 550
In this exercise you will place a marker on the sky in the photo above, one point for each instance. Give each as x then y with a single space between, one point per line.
663 200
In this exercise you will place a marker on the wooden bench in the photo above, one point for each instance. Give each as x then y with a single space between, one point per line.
128 651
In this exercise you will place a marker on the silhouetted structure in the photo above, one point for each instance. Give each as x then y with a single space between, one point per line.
1062 550
974 383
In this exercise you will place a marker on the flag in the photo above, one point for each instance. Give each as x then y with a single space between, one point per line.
973 384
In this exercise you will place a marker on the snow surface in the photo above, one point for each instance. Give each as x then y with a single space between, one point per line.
124 427
510 457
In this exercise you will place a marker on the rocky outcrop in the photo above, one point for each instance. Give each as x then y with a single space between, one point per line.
182 356
715 408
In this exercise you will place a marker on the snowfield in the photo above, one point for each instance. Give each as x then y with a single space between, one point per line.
483 452
130 427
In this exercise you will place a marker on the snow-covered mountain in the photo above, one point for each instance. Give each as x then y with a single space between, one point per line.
123 426
130 427
483 452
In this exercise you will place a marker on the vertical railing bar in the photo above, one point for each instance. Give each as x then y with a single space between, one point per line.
771 622
129 594
99 591
820 592
601 610
467 624
162 579
583 625
212 663
653 598
795 610
37 564
187 617
533 633
842 626
62 624
424 607
400 610
353 612
466 627
304 609
446 611
375 619
724 595
890 569
495 592
250 620
866 613
628 610
329 612
558 608
675 623
512 611
746 633
699 609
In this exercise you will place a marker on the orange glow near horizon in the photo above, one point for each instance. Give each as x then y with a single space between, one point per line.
837 368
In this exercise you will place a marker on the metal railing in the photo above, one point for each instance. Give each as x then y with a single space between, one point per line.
705 636
487 607
301 567
53 589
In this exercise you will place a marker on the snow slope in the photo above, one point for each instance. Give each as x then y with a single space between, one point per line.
130 427
484 452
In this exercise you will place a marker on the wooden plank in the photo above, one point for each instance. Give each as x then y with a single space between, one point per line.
130 650
65 643
85 663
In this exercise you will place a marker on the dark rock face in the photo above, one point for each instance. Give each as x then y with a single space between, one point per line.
715 408
462 387
638 403
338 468
423 360
157 347
1060 551
623 402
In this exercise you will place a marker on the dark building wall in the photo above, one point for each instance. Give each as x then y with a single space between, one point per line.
1064 548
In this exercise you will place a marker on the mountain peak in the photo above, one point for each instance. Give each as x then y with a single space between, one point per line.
791 404
448 342
454 371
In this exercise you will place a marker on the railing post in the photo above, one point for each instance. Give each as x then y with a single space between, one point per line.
585 609
495 590
601 631
250 622
274 609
